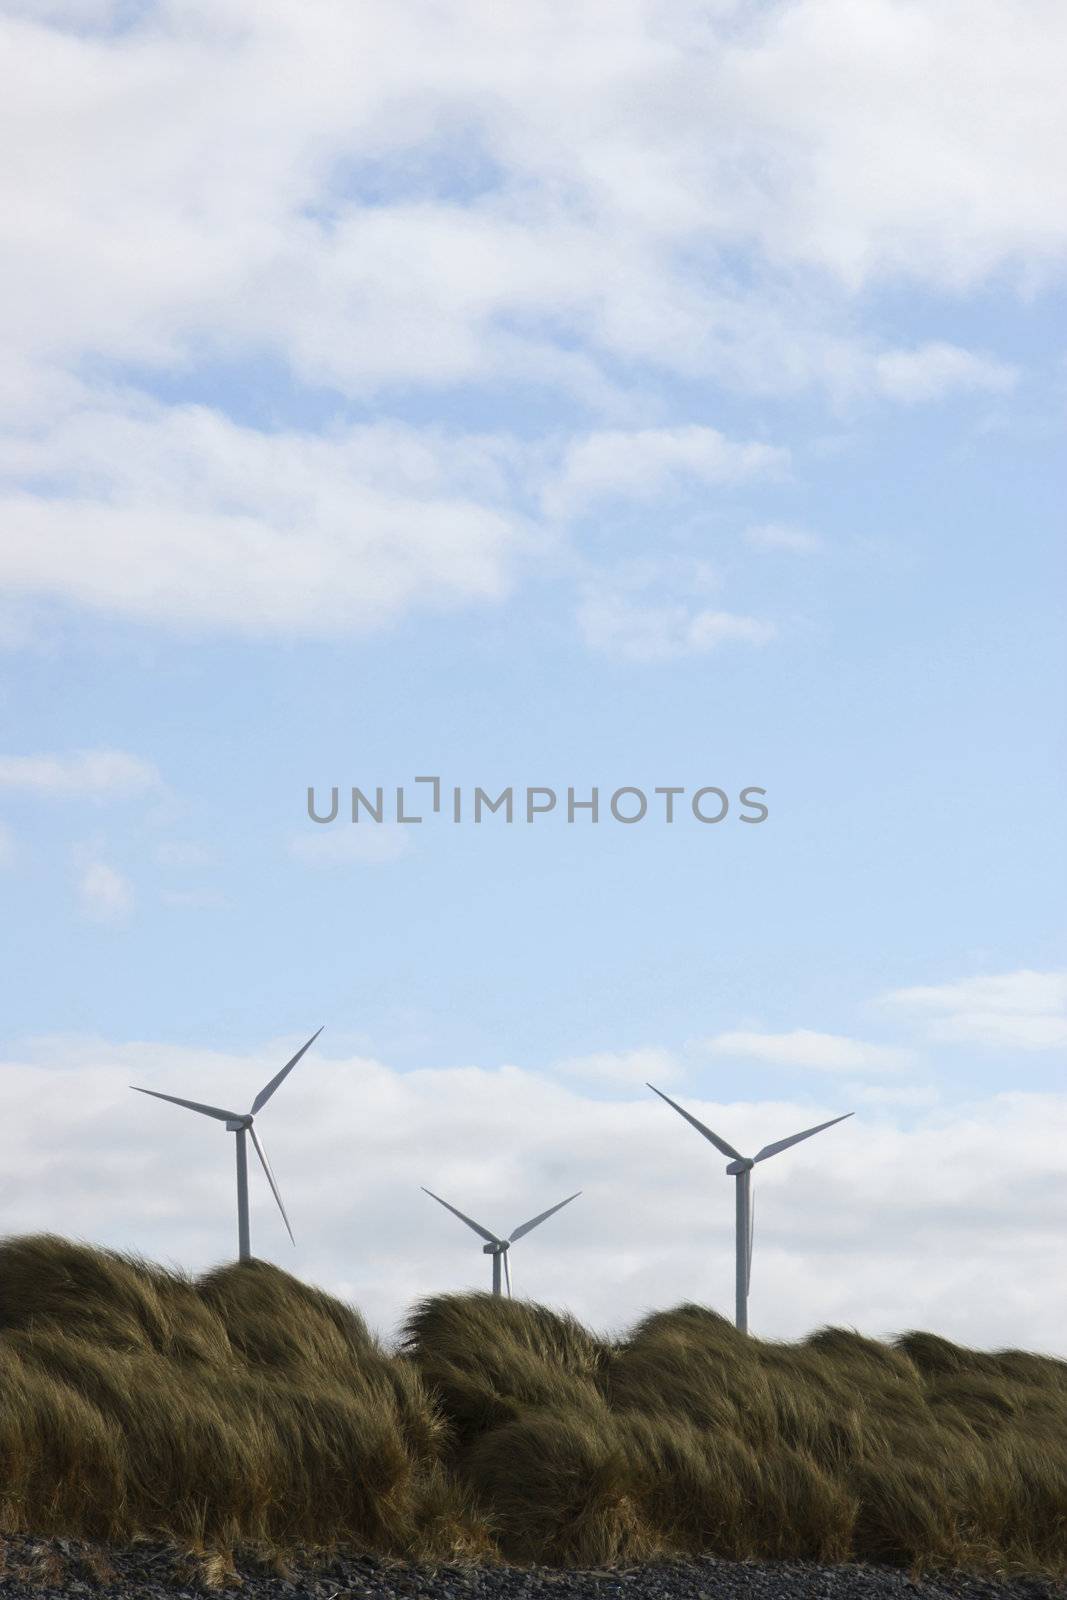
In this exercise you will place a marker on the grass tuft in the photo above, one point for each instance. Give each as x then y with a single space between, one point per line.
246 1409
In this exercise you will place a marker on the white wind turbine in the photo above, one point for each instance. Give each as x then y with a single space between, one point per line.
740 1168
240 1123
498 1248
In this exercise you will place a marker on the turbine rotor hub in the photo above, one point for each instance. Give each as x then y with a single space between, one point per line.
737 1167
494 1249
237 1123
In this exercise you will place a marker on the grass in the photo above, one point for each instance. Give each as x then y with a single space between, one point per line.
247 1409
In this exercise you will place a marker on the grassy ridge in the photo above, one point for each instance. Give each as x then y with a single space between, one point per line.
247 1408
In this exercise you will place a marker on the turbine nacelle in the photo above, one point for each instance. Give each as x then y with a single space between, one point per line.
743 1165
496 1249
237 1123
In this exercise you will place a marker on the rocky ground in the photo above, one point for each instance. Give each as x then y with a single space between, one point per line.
55 1569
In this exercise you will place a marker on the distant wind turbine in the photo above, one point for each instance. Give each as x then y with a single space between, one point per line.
498 1248
740 1167
241 1124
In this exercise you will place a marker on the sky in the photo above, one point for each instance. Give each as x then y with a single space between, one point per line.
629 398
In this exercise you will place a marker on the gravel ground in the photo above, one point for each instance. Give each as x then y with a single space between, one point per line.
55 1569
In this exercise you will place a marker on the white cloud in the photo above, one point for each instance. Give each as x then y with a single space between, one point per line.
937 369
183 516
1024 1010
104 894
489 202
351 1143
621 1068
653 609
822 1052
900 140
880 1094
783 536
85 773
484 176
618 624
645 464
368 843
484 171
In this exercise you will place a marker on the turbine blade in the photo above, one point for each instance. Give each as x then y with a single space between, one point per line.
795 1138
193 1105
526 1226
720 1144
265 1093
492 1238
262 1154
507 1274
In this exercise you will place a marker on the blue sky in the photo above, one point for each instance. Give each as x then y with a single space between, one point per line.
528 402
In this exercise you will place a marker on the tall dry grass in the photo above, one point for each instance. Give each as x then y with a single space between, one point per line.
247 1408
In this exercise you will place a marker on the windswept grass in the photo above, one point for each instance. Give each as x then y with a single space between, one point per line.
247 1408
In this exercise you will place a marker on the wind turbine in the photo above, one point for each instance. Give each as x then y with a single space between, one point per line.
241 1124
740 1168
498 1248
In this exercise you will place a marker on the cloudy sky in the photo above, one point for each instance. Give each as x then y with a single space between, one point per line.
589 396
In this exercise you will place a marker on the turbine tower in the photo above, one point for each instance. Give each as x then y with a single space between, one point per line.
240 1124
740 1168
498 1248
